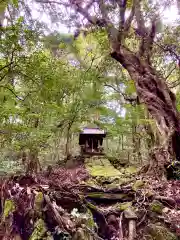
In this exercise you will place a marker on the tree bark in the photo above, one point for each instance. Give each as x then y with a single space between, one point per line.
154 93
68 139
153 137
136 144
33 164
68 145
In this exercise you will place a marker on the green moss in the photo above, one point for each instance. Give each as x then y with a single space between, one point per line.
160 233
101 167
131 170
9 207
112 196
156 207
39 230
38 201
124 206
90 221
149 193
103 171
117 184
137 185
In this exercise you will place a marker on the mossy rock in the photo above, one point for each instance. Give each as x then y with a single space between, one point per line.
101 167
149 193
118 183
124 206
9 207
131 170
40 230
39 198
90 220
108 196
160 233
91 182
137 185
156 207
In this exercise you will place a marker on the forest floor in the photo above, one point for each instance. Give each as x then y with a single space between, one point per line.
89 200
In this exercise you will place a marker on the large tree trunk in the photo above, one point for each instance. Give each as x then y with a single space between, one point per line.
155 94
153 135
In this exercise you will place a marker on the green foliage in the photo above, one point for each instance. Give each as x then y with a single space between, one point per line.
52 84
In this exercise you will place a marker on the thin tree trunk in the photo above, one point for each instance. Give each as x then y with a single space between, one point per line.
122 142
68 140
136 144
33 164
119 144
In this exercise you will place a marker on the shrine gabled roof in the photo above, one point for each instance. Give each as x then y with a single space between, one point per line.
93 131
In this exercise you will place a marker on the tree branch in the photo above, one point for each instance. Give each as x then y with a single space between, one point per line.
146 45
174 84
11 90
53 2
170 72
130 18
170 50
7 65
1 78
92 19
122 9
125 96
89 4
139 18
103 11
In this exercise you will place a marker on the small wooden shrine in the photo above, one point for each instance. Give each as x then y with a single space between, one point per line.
91 140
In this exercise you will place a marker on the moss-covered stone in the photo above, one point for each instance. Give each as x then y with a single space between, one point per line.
101 167
9 207
39 230
38 201
130 213
137 185
131 170
156 207
160 233
106 174
109 196
149 193
117 184
90 221
124 206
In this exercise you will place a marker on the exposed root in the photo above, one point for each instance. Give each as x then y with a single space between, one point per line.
167 200
132 230
121 237
77 210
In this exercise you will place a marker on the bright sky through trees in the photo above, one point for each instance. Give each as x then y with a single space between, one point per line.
169 15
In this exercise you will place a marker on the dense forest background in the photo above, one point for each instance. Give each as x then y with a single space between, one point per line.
69 64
